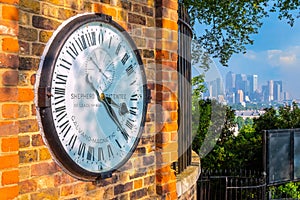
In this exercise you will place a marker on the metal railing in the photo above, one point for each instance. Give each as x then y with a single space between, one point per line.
184 91
232 185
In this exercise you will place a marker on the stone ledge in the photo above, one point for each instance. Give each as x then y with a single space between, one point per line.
189 176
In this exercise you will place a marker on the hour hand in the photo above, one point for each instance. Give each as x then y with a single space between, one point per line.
123 109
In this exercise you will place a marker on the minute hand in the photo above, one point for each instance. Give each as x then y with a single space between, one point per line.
113 115
110 111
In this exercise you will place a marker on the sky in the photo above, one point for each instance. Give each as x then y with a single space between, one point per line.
275 55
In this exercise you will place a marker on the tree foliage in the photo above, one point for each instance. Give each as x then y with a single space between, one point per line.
229 25
245 149
285 117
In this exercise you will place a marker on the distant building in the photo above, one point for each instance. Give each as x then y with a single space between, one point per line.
239 96
271 90
241 82
230 82
249 113
278 91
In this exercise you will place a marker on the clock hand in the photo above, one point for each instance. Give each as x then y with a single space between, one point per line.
113 115
122 108
100 70
101 98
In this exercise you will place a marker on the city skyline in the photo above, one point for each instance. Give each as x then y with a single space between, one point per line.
275 55
242 88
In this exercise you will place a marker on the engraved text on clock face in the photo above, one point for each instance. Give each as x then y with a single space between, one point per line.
97 97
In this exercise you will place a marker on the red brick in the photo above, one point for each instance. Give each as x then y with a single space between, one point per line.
27 186
43 169
10 177
8 193
9 27
8 94
44 154
170 126
28 156
9 61
10 144
138 184
105 9
62 178
26 94
10 78
10 1
9 161
165 177
24 141
24 111
10 111
28 125
162 54
10 45
172 4
37 140
10 13
9 128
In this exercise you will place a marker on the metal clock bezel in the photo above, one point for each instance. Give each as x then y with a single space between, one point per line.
43 94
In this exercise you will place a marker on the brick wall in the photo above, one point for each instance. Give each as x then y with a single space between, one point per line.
12 107
26 167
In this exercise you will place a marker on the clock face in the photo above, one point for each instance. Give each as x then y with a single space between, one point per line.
93 112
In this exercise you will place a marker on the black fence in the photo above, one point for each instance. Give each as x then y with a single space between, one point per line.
231 185
243 185
184 91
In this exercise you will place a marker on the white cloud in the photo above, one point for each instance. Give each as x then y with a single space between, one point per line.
284 58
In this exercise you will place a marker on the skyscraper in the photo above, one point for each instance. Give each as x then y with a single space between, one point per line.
271 90
278 90
230 82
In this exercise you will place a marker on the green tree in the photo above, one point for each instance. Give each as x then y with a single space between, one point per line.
245 149
228 25
240 122
284 118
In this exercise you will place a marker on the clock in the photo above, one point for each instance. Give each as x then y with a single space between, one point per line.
91 96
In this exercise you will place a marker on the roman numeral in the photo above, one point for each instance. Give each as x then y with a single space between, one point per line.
59 91
100 154
129 123
129 70
72 141
119 145
60 101
133 82
65 64
60 110
133 110
118 49
91 38
134 97
125 58
59 95
101 38
81 149
66 128
82 43
73 53
90 154
62 117
61 79
110 152
109 44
